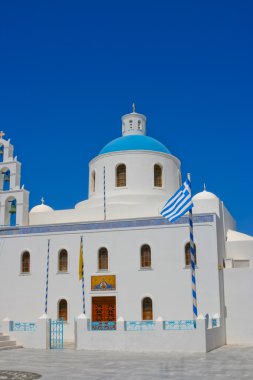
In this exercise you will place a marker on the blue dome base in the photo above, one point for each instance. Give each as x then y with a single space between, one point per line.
134 142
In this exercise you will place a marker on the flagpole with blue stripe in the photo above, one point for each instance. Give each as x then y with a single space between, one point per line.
178 205
47 275
193 260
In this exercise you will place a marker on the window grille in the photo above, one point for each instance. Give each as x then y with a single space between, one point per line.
188 255
157 176
121 175
103 259
145 256
63 261
25 265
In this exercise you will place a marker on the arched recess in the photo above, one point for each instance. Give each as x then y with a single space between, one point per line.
145 256
158 175
147 309
187 254
25 262
1 152
10 218
103 259
93 181
5 179
179 178
63 261
121 175
63 309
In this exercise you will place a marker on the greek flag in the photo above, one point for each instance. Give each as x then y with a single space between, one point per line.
179 203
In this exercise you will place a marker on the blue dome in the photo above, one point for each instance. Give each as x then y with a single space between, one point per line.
134 142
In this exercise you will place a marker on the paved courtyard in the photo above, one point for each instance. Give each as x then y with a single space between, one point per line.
231 362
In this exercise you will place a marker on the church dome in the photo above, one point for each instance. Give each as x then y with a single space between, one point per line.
41 208
134 136
204 195
134 142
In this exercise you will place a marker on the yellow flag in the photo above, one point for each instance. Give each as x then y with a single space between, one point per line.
81 260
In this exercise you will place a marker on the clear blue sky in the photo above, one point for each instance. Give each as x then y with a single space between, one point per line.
70 69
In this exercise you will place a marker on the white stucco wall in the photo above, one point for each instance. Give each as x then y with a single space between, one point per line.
168 283
239 305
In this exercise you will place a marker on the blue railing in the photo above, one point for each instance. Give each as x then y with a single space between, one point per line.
139 325
102 326
22 326
179 325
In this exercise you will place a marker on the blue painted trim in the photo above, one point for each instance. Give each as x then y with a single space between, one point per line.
179 325
22 326
139 325
104 225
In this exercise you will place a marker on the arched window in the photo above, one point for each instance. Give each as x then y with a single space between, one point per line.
145 256
1 153
63 261
158 178
63 310
103 259
147 309
121 175
187 251
25 262
93 181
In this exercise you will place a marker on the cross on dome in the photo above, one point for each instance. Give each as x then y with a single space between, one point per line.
42 200
133 107
2 134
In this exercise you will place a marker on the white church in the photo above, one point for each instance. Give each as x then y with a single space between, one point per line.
137 276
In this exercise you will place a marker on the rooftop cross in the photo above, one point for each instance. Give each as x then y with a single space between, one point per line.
133 107
2 134
42 200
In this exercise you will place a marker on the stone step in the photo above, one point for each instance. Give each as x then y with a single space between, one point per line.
4 337
69 345
5 343
10 347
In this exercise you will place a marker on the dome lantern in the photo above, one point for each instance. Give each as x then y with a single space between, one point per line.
133 123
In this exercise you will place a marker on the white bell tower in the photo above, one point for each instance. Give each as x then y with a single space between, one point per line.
14 201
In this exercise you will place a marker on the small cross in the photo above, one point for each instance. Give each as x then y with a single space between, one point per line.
133 107
42 201
2 134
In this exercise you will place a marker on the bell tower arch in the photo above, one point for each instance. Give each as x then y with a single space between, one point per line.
14 200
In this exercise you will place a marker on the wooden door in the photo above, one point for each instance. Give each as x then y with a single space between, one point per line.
103 309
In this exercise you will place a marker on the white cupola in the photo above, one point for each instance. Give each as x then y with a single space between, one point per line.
133 123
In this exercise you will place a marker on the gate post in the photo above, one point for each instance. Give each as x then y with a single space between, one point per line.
80 330
43 331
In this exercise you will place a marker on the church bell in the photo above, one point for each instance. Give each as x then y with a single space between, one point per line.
6 178
13 208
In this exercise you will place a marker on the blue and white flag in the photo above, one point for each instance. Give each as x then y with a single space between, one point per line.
179 203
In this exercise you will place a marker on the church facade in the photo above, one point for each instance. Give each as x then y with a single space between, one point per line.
137 271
